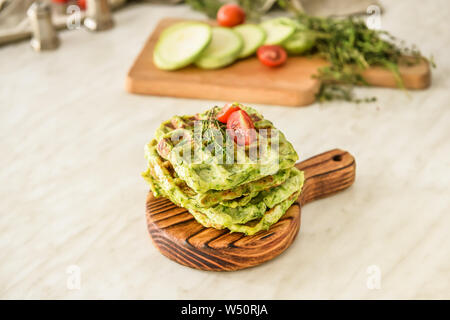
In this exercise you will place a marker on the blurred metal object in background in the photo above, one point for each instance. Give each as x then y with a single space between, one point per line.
14 24
44 34
98 15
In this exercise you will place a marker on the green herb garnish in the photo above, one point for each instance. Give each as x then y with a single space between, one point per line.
351 47
213 133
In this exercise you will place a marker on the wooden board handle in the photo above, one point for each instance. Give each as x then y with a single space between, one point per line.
325 174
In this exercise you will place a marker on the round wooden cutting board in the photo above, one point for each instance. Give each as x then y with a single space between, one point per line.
181 238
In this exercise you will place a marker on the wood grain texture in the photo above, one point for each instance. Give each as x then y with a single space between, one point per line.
180 237
250 81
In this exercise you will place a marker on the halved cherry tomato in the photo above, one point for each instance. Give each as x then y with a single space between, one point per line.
226 111
272 55
242 128
230 15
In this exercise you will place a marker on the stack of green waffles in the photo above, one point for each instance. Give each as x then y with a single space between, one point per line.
224 187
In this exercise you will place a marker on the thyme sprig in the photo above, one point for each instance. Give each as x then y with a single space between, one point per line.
351 47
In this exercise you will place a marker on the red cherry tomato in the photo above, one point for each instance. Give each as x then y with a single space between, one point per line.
230 15
242 128
226 111
271 55
82 4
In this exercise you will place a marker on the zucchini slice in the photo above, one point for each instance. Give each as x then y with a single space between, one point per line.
278 30
253 36
300 42
180 44
224 48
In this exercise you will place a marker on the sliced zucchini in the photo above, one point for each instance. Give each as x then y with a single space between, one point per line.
161 64
253 37
278 30
180 44
300 42
224 48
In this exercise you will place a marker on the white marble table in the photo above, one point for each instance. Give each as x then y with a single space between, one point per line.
71 145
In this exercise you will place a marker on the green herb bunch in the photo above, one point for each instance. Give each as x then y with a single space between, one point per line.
209 7
351 47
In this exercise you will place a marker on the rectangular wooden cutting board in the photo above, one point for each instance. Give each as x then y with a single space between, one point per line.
248 80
